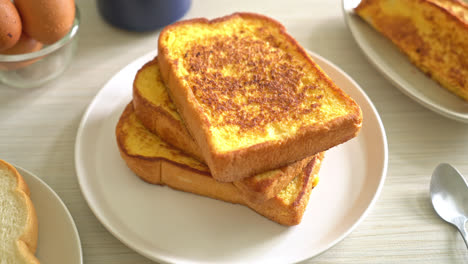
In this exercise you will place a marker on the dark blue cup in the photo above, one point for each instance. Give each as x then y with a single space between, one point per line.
142 15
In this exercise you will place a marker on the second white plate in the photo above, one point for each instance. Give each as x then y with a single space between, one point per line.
58 240
172 226
396 67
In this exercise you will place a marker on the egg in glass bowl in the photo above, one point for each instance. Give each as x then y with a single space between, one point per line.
30 63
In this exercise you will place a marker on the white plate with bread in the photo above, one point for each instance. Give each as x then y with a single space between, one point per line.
48 232
172 226
398 69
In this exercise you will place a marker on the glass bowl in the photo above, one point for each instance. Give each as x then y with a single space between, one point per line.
33 69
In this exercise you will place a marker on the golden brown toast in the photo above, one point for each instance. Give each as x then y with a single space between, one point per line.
432 33
155 110
250 95
157 162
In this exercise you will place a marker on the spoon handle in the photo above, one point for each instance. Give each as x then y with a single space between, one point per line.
460 224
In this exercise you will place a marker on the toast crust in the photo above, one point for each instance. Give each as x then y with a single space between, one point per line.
278 210
286 208
237 163
434 36
160 117
177 176
27 242
147 166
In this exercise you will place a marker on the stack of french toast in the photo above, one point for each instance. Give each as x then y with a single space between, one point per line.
235 109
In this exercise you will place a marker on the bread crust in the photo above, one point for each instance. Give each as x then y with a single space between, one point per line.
27 242
244 162
182 177
147 168
291 214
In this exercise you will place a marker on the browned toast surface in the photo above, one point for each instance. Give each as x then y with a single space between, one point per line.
155 110
159 163
250 95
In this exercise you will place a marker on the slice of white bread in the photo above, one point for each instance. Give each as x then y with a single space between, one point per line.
156 162
18 220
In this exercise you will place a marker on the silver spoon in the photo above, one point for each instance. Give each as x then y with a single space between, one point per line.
449 196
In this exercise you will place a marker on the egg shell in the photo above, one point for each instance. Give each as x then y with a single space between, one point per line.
46 20
10 25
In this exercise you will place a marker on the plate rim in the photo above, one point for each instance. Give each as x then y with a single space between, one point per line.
28 173
170 258
424 101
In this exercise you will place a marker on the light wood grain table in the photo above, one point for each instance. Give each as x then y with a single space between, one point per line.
38 129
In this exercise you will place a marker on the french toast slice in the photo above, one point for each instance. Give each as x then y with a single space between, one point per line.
155 110
157 162
250 95
432 33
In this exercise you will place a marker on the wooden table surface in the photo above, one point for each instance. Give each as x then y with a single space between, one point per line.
38 129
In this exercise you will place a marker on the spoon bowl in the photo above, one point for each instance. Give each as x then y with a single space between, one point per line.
449 196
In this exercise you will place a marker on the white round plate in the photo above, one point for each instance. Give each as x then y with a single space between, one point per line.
172 226
396 67
58 240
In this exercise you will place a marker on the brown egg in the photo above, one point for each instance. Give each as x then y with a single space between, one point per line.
46 20
10 25
24 45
